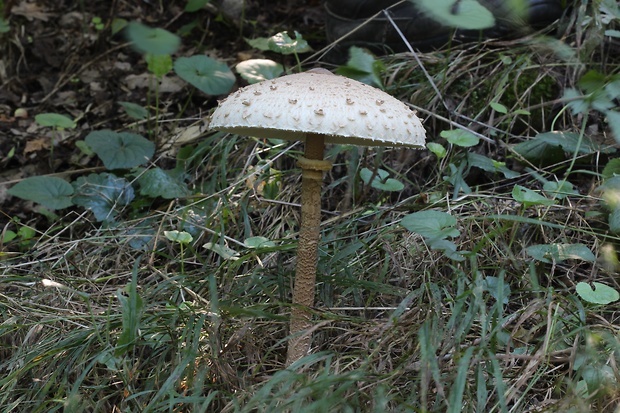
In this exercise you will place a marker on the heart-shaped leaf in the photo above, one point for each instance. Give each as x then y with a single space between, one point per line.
432 225
134 110
460 137
258 70
282 43
528 197
549 253
381 180
158 183
50 191
54 120
208 75
462 14
258 242
104 194
120 150
181 237
600 294
149 40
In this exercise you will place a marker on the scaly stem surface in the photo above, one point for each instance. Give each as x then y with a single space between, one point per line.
313 166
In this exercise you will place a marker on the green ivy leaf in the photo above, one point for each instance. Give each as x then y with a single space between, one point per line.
158 183
181 237
282 43
613 120
50 191
462 14
258 70
489 165
104 194
363 66
195 5
55 120
433 225
259 242
601 294
549 253
460 137
158 64
438 149
134 110
528 198
207 75
148 40
120 150
559 190
381 180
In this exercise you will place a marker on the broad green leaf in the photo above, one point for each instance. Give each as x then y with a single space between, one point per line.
569 142
258 70
134 110
195 5
613 119
600 294
50 191
8 236
282 43
381 180
431 224
259 242
120 150
612 168
460 137
158 183
104 194
498 107
611 192
118 24
462 14
55 120
207 75
549 253
149 40
158 64
447 247
363 66
529 198
222 250
181 237
489 165
539 152
559 190
438 149
260 43
614 221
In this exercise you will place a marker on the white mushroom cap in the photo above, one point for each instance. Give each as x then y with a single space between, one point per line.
344 110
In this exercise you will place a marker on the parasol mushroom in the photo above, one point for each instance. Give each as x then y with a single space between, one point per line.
315 107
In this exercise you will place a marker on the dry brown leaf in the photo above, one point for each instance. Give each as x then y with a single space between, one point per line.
36 145
30 11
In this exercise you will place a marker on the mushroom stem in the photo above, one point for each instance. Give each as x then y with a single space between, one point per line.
313 166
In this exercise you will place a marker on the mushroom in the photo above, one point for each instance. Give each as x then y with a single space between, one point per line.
315 107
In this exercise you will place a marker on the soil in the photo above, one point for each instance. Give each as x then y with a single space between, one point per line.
64 57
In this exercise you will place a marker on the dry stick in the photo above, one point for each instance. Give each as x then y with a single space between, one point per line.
313 166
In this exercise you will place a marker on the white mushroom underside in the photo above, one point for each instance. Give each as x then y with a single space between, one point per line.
342 109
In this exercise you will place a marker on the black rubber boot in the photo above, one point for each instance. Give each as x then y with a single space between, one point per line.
355 18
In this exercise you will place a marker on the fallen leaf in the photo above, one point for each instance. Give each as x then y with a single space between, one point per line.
30 11
36 145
